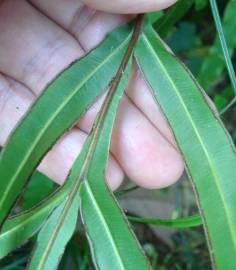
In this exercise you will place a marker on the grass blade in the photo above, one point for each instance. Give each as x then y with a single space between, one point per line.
214 64
228 106
125 191
61 104
223 43
180 223
203 141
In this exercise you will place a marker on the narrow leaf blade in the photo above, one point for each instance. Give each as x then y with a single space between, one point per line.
104 221
45 256
205 144
185 222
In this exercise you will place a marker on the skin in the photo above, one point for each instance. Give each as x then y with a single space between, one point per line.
39 38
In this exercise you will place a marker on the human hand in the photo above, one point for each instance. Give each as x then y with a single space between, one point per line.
39 38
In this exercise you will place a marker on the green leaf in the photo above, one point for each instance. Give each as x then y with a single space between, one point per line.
18 229
185 222
13 262
54 236
87 176
61 104
214 64
172 16
200 4
39 187
104 221
177 40
60 226
154 16
204 143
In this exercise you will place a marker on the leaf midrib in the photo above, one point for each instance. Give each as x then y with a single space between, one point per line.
211 165
103 221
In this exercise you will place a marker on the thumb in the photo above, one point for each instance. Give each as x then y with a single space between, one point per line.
130 6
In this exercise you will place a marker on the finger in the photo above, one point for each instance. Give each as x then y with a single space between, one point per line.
33 49
15 100
142 151
89 26
131 6
59 160
140 94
